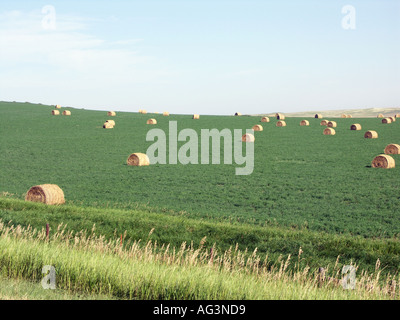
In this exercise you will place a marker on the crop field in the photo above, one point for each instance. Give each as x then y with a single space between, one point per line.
310 191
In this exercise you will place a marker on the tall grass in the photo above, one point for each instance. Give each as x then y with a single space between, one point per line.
89 263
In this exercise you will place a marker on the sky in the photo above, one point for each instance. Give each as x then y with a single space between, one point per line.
200 56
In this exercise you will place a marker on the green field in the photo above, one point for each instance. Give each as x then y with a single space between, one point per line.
307 190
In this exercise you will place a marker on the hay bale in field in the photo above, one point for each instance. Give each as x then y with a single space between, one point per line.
393 119
383 161
356 127
111 114
371 135
264 119
138 160
332 124
258 127
324 122
108 125
318 116
248 137
343 116
280 116
329 132
349 116
142 111
111 121
66 113
304 123
392 149
166 113
58 106
238 114
46 193
196 116
380 115
397 115
281 124
152 121
55 112
386 120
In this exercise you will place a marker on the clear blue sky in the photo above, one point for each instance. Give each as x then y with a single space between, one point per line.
199 56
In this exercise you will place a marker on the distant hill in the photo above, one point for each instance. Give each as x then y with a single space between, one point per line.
356 113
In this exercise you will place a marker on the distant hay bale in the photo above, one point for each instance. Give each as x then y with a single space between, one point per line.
383 161
196 116
329 132
58 106
55 112
238 114
108 125
397 115
332 124
304 123
111 121
324 122
111 114
66 113
371 135
46 193
138 160
356 127
343 116
380 115
349 116
393 119
281 124
142 111
152 121
258 127
386 120
318 116
392 149
264 119
280 116
166 113
248 137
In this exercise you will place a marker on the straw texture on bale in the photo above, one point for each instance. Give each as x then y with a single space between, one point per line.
166 113
55 112
264 119
67 113
46 193
152 121
111 114
258 127
280 116
383 161
108 125
111 122
392 149
58 106
196 116
324 122
371 135
318 116
248 137
281 124
238 114
138 160
332 124
386 120
304 123
356 127
329 132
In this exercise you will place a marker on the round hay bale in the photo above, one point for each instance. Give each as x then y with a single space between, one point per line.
55 112
152 121
281 124
196 116
66 113
371 135
58 106
356 127
329 132
332 124
280 116
248 137
142 111
111 121
380 115
166 113
349 116
258 127
238 114
264 119
111 114
318 116
383 161
324 122
46 193
343 116
386 120
304 123
397 115
393 119
138 160
108 125
392 149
